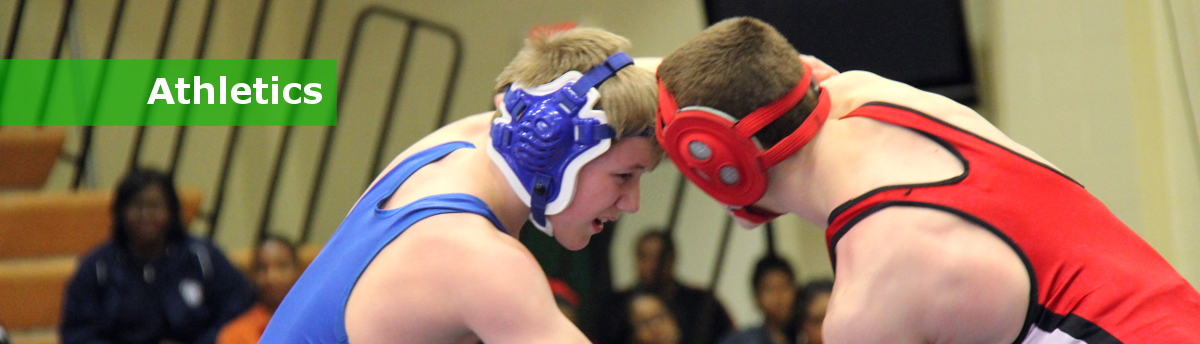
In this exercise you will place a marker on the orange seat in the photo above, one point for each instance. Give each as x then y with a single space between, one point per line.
42 236
66 223
32 290
27 155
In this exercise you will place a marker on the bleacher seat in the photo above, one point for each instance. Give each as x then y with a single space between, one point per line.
38 336
64 223
42 236
31 291
28 154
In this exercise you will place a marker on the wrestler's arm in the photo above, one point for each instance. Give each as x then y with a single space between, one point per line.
917 275
821 71
505 297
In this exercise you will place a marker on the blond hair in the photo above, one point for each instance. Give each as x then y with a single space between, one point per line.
629 98
737 66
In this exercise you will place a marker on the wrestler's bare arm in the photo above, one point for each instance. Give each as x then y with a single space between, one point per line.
820 70
455 278
918 275
505 297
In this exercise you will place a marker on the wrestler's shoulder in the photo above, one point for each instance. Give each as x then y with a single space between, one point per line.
863 84
854 88
466 249
465 234
472 125
854 77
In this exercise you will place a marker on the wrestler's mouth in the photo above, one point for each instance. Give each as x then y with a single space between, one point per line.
598 224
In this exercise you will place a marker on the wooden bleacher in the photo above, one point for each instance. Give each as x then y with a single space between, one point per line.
64 223
28 154
42 236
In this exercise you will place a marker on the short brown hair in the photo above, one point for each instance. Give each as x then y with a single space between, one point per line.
737 66
629 98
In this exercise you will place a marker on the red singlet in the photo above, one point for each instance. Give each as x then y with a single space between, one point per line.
1093 279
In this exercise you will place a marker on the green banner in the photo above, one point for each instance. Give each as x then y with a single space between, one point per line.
69 92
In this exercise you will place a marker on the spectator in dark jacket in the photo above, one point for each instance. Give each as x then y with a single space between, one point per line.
151 282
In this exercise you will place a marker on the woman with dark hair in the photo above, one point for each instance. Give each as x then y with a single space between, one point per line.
152 282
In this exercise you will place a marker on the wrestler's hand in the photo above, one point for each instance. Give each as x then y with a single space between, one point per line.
820 70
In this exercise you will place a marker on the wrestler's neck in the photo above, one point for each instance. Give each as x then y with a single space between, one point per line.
500 197
810 182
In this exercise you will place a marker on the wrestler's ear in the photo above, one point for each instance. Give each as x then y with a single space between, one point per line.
820 70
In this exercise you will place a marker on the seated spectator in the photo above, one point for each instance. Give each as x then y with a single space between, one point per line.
701 317
566 298
275 269
774 293
151 282
810 311
650 321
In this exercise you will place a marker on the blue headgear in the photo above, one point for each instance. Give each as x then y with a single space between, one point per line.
546 133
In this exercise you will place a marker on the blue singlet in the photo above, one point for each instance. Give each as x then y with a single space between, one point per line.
314 310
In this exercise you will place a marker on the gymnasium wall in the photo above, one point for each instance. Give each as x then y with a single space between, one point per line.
1104 89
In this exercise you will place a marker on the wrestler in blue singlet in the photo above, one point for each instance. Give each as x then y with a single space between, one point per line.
315 309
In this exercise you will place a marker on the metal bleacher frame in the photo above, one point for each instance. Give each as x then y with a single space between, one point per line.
212 216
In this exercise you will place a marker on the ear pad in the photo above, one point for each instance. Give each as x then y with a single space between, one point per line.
546 133
719 154
540 142
715 157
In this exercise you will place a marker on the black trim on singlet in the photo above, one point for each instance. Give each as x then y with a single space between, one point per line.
952 180
1073 325
981 138
1033 310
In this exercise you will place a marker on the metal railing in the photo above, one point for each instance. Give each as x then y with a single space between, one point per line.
64 31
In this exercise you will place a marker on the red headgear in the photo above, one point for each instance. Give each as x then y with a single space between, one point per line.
718 153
